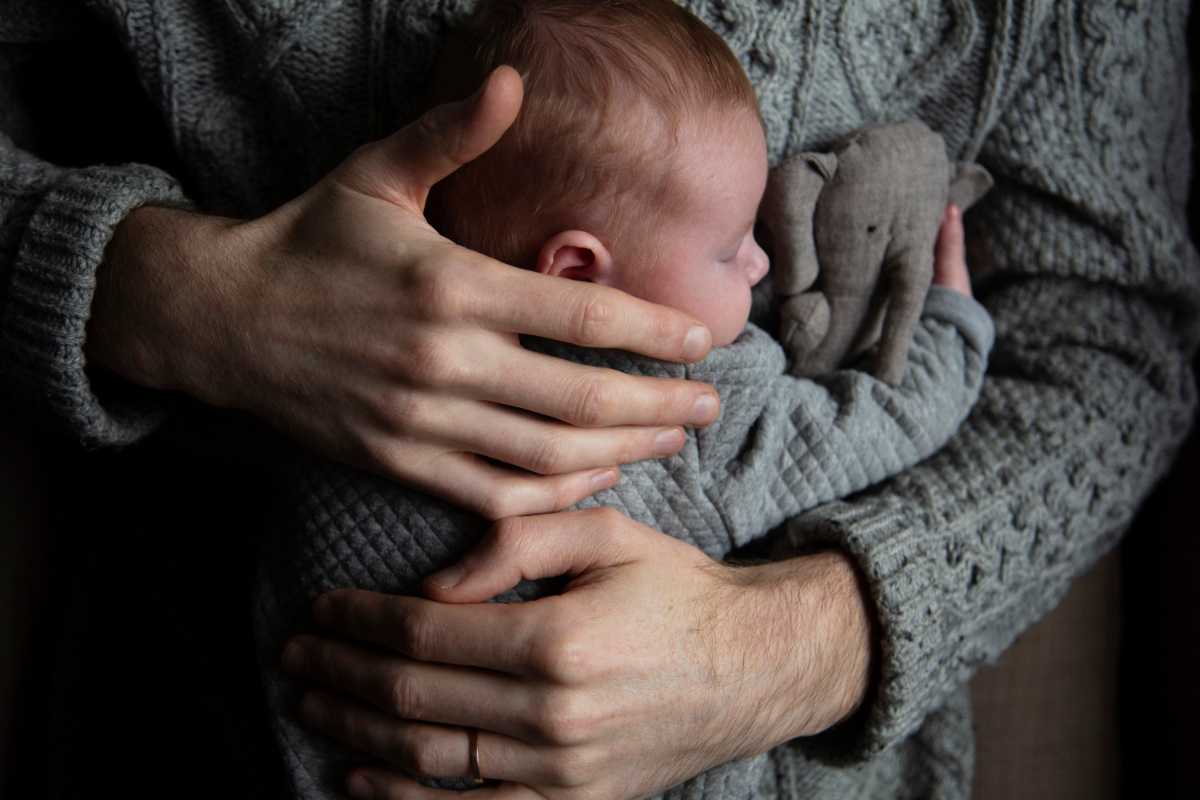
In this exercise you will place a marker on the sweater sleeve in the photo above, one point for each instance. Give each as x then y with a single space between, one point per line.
804 442
54 225
1095 292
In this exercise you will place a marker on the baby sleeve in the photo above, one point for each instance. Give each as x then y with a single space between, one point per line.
803 442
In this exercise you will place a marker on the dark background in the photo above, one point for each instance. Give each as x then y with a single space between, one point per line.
1158 690
141 564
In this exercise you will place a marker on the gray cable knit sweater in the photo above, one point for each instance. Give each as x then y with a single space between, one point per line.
1075 106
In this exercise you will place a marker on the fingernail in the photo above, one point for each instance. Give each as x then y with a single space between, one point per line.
953 212
704 411
313 711
322 611
447 578
292 658
605 479
358 787
697 344
669 441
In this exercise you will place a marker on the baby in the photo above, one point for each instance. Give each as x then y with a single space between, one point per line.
638 161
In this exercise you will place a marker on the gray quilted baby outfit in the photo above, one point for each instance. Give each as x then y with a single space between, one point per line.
779 446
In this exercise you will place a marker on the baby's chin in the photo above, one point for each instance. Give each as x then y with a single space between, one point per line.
725 331
728 320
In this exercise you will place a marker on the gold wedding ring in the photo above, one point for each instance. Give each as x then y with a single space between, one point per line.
473 747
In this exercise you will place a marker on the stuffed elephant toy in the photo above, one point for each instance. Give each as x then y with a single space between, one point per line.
854 232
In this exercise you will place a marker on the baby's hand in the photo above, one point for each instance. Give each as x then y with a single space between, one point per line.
950 255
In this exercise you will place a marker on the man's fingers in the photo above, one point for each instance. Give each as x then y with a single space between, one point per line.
433 751
536 638
498 637
442 140
586 314
532 442
950 255
591 397
440 694
414 690
493 491
536 547
596 397
378 783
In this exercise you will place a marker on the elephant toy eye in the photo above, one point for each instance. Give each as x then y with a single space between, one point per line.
871 229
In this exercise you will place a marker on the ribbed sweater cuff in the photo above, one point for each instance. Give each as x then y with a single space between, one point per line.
965 313
49 300
892 549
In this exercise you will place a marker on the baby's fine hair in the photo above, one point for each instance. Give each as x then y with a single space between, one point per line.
602 78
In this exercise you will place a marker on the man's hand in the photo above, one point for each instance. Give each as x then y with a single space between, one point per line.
653 665
346 321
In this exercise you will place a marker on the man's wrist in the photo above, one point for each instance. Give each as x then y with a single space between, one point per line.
851 631
819 603
143 322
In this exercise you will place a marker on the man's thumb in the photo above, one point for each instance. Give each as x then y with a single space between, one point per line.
406 164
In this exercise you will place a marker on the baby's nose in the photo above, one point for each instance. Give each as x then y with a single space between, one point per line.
758 265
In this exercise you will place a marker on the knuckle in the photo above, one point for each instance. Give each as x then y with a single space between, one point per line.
404 695
418 634
357 732
566 721
408 413
592 319
560 658
510 534
442 296
668 402
498 503
432 126
433 361
400 413
563 495
576 766
590 402
505 500
607 517
431 758
610 526
548 454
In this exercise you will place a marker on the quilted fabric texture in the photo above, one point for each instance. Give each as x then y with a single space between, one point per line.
779 446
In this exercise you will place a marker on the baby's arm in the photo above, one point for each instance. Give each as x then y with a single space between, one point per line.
820 439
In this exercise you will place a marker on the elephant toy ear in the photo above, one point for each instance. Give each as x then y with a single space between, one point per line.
824 163
787 211
968 183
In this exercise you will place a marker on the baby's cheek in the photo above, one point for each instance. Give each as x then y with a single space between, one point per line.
728 314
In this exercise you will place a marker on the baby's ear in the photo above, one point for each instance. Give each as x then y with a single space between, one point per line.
578 256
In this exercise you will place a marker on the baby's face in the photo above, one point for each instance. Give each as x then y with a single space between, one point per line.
703 258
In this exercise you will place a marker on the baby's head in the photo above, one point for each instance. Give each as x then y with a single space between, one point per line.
637 160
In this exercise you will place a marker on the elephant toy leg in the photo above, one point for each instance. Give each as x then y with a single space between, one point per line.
804 323
909 274
846 315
